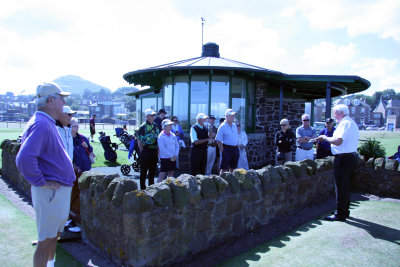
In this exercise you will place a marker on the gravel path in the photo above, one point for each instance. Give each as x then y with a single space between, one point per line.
89 256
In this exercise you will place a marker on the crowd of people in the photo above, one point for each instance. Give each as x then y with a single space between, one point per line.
53 154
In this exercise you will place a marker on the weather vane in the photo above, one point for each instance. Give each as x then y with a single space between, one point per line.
202 27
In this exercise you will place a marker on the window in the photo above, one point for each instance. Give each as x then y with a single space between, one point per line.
168 95
250 108
200 88
353 110
362 111
181 95
219 96
148 102
138 111
239 98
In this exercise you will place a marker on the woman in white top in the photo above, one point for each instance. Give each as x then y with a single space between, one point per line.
169 150
242 163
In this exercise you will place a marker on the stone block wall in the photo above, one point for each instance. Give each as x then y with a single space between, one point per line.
378 176
173 220
9 150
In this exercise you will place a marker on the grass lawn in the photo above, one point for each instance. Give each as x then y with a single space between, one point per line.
390 140
6 133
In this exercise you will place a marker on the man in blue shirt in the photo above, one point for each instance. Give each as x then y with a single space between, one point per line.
228 141
304 134
324 147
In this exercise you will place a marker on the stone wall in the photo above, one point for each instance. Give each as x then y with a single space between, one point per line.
173 220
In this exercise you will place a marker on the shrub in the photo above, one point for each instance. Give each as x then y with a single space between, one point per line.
372 149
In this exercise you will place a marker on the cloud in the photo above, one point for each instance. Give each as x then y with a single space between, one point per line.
380 17
381 72
327 54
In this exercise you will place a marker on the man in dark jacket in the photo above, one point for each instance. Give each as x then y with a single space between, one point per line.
199 138
324 147
160 118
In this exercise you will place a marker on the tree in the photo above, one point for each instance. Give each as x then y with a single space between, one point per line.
86 94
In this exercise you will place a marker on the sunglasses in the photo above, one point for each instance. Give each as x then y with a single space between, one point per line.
175 120
283 124
306 120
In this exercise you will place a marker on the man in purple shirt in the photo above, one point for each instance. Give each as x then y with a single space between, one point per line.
45 164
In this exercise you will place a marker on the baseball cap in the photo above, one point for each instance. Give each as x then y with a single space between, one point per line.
68 110
149 111
211 117
329 120
201 116
50 88
166 122
162 111
230 112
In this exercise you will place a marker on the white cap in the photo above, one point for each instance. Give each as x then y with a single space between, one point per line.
149 111
166 122
51 88
230 112
68 110
201 116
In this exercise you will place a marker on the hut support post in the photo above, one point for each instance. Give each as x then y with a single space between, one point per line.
328 101
281 103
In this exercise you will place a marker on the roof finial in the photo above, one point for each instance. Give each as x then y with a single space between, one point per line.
202 26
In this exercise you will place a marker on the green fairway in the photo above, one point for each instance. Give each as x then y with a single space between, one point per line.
7 133
390 140
17 231
371 237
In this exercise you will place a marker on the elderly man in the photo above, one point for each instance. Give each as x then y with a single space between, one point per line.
344 143
324 147
304 134
148 133
65 131
199 138
212 144
44 163
228 141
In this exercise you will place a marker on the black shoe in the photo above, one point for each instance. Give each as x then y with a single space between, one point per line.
334 217
347 214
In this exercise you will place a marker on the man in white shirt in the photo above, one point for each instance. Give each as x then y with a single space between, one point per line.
228 141
344 143
65 131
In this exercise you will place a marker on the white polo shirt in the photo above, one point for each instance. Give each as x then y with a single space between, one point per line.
348 131
228 134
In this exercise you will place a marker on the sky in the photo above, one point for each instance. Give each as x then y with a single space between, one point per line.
101 40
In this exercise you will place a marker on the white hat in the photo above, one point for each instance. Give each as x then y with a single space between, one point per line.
149 111
230 111
166 122
68 110
51 88
201 116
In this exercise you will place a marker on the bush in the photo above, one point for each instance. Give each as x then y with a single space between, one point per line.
372 149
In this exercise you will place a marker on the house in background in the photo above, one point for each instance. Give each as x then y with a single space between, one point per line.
379 114
359 110
393 115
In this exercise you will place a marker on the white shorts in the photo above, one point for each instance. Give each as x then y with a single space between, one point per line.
302 154
52 210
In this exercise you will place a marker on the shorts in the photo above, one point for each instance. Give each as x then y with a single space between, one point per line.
52 210
92 132
230 157
167 165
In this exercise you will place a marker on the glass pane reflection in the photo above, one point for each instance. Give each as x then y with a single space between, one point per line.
199 97
239 98
181 95
148 102
219 96
168 96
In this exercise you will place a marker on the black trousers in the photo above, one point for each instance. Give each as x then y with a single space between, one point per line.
343 168
198 161
148 163
322 153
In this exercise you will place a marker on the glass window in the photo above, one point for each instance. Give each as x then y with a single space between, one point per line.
138 111
148 102
159 104
219 96
199 97
168 96
181 95
239 98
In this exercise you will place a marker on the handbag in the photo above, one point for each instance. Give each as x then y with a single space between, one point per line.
92 158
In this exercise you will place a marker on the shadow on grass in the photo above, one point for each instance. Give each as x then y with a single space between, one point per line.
376 230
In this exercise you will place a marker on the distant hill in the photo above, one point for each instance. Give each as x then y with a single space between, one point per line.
77 85
124 90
